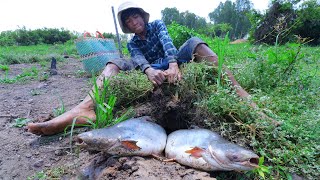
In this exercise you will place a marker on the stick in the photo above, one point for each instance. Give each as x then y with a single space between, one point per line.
115 25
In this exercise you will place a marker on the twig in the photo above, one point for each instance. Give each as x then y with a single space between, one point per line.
9 115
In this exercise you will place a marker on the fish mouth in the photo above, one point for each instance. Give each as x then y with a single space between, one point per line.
80 142
252 162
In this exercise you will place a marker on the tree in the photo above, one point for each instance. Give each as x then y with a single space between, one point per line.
309 21
243 24
169 15
186 18
235 15
277 24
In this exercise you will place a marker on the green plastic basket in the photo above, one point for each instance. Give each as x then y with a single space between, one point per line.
96 52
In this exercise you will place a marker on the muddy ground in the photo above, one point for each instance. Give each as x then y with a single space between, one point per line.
24 155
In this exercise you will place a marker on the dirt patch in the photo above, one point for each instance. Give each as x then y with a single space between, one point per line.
23 154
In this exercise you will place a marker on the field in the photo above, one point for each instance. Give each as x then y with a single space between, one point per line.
283 80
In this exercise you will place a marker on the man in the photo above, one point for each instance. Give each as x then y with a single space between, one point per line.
151 50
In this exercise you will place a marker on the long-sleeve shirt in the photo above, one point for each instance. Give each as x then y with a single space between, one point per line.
155 49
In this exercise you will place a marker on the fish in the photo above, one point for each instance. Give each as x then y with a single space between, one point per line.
206 150
135 136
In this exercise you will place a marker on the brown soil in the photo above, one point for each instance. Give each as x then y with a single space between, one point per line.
24 155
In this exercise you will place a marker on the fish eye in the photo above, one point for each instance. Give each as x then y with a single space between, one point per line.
234 157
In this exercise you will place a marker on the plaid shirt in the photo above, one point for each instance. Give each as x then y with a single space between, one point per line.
157 47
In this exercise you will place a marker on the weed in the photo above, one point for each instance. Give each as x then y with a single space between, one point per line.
221 50
4 67
44 76
60 110
80 73
54 173
35 92
41 175
104 106
261 170
20 122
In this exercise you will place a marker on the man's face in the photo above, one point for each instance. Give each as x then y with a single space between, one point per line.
135 23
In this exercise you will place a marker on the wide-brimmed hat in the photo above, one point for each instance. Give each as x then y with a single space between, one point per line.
128 5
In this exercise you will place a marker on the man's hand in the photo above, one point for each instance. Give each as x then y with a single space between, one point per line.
155 76
173 73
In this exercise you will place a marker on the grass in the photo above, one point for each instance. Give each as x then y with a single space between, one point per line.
221 50
54 173
35 53
20 122
27 74
104 106
60 110
293 96
290 96
104 109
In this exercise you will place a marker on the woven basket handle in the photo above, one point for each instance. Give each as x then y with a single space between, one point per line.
86 34
98 34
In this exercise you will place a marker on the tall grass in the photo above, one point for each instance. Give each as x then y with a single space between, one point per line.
104 106
104 109
221 50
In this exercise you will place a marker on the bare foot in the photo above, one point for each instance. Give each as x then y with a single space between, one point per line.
59 123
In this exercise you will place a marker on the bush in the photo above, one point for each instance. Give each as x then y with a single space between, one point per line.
24 37
309 21
278 21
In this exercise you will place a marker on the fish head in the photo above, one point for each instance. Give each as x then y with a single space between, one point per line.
94 140
233 157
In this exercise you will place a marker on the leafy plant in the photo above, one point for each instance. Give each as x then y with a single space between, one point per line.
54 173
20 122
261 170
221 50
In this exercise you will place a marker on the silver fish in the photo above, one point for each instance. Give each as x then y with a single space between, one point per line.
205 150
136 136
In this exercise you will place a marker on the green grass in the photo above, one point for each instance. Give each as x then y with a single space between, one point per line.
104 106
35 53
27 74
291 97
60 110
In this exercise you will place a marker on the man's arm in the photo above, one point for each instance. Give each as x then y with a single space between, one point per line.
172 73
157 77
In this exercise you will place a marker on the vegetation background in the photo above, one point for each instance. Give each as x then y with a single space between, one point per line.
279 66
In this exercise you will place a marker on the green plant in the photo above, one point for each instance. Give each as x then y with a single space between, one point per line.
35 92
104 106
261 171
41 175
80 73
221 50
54 173
20 122
4 67
44 76
60 110
30 73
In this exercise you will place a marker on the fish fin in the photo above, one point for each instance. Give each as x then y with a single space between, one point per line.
195 152
131 145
